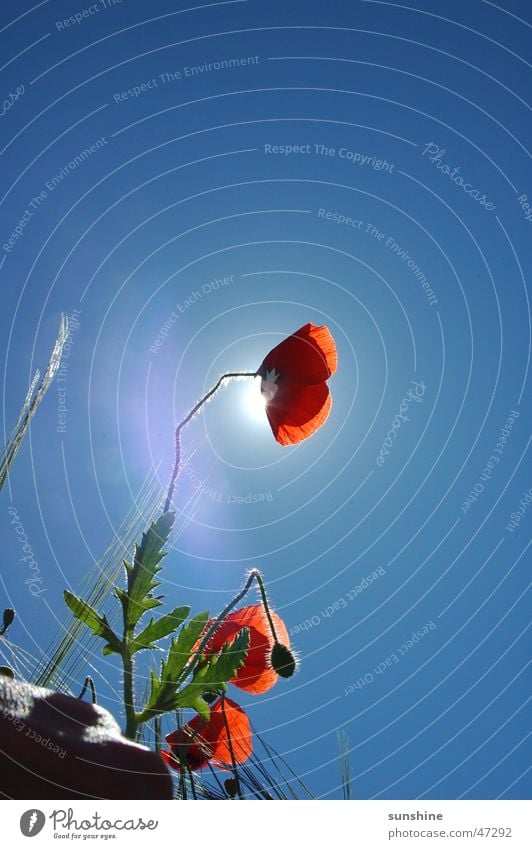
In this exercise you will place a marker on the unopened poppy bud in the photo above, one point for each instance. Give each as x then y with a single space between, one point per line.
283 661
9 615
231 787
210 697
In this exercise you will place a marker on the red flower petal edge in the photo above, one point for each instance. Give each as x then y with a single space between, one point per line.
293 383
202 741
256 675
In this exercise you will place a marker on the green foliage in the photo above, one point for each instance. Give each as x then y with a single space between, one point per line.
138 598
182 664
163 688
158 629
98 624
212 674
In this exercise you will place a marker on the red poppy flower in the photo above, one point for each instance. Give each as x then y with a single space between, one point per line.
256 675
293 384
202 741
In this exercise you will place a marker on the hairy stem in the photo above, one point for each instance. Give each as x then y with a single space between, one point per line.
90 684
145 714
129 704
231 751
187 419
265 605
220 618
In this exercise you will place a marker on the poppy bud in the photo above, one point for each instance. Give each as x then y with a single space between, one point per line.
231 787
209 697
9 615
283 661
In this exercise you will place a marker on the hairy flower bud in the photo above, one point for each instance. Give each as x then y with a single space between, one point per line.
283 661
231 787
9 615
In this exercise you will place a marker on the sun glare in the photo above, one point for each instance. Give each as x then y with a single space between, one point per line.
254 402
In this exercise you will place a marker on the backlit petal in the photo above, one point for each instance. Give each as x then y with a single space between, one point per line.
298 411
307 356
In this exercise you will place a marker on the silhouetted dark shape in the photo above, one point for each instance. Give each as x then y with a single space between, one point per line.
54 746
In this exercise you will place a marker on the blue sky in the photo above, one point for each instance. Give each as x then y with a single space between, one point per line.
221 176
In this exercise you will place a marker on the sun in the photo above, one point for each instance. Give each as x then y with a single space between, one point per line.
253 400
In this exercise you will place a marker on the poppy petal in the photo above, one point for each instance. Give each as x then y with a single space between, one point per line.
238 743
202 741
256 675
308 356
297 411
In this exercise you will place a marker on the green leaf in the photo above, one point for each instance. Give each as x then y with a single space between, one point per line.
157 629
98 624
212 674
163 689
138 598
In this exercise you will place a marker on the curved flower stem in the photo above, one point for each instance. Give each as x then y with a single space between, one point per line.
187 419
219 619
137 719
133 718
231 750
88 683
266 606
254 575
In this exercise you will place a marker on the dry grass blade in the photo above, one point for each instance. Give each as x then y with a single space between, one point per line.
36 393
345 764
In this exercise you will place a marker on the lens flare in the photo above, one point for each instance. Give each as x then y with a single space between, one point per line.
254 402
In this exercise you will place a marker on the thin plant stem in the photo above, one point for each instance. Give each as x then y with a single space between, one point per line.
90 684
254 575
231 751
132 722
265 604
220 618
187 419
